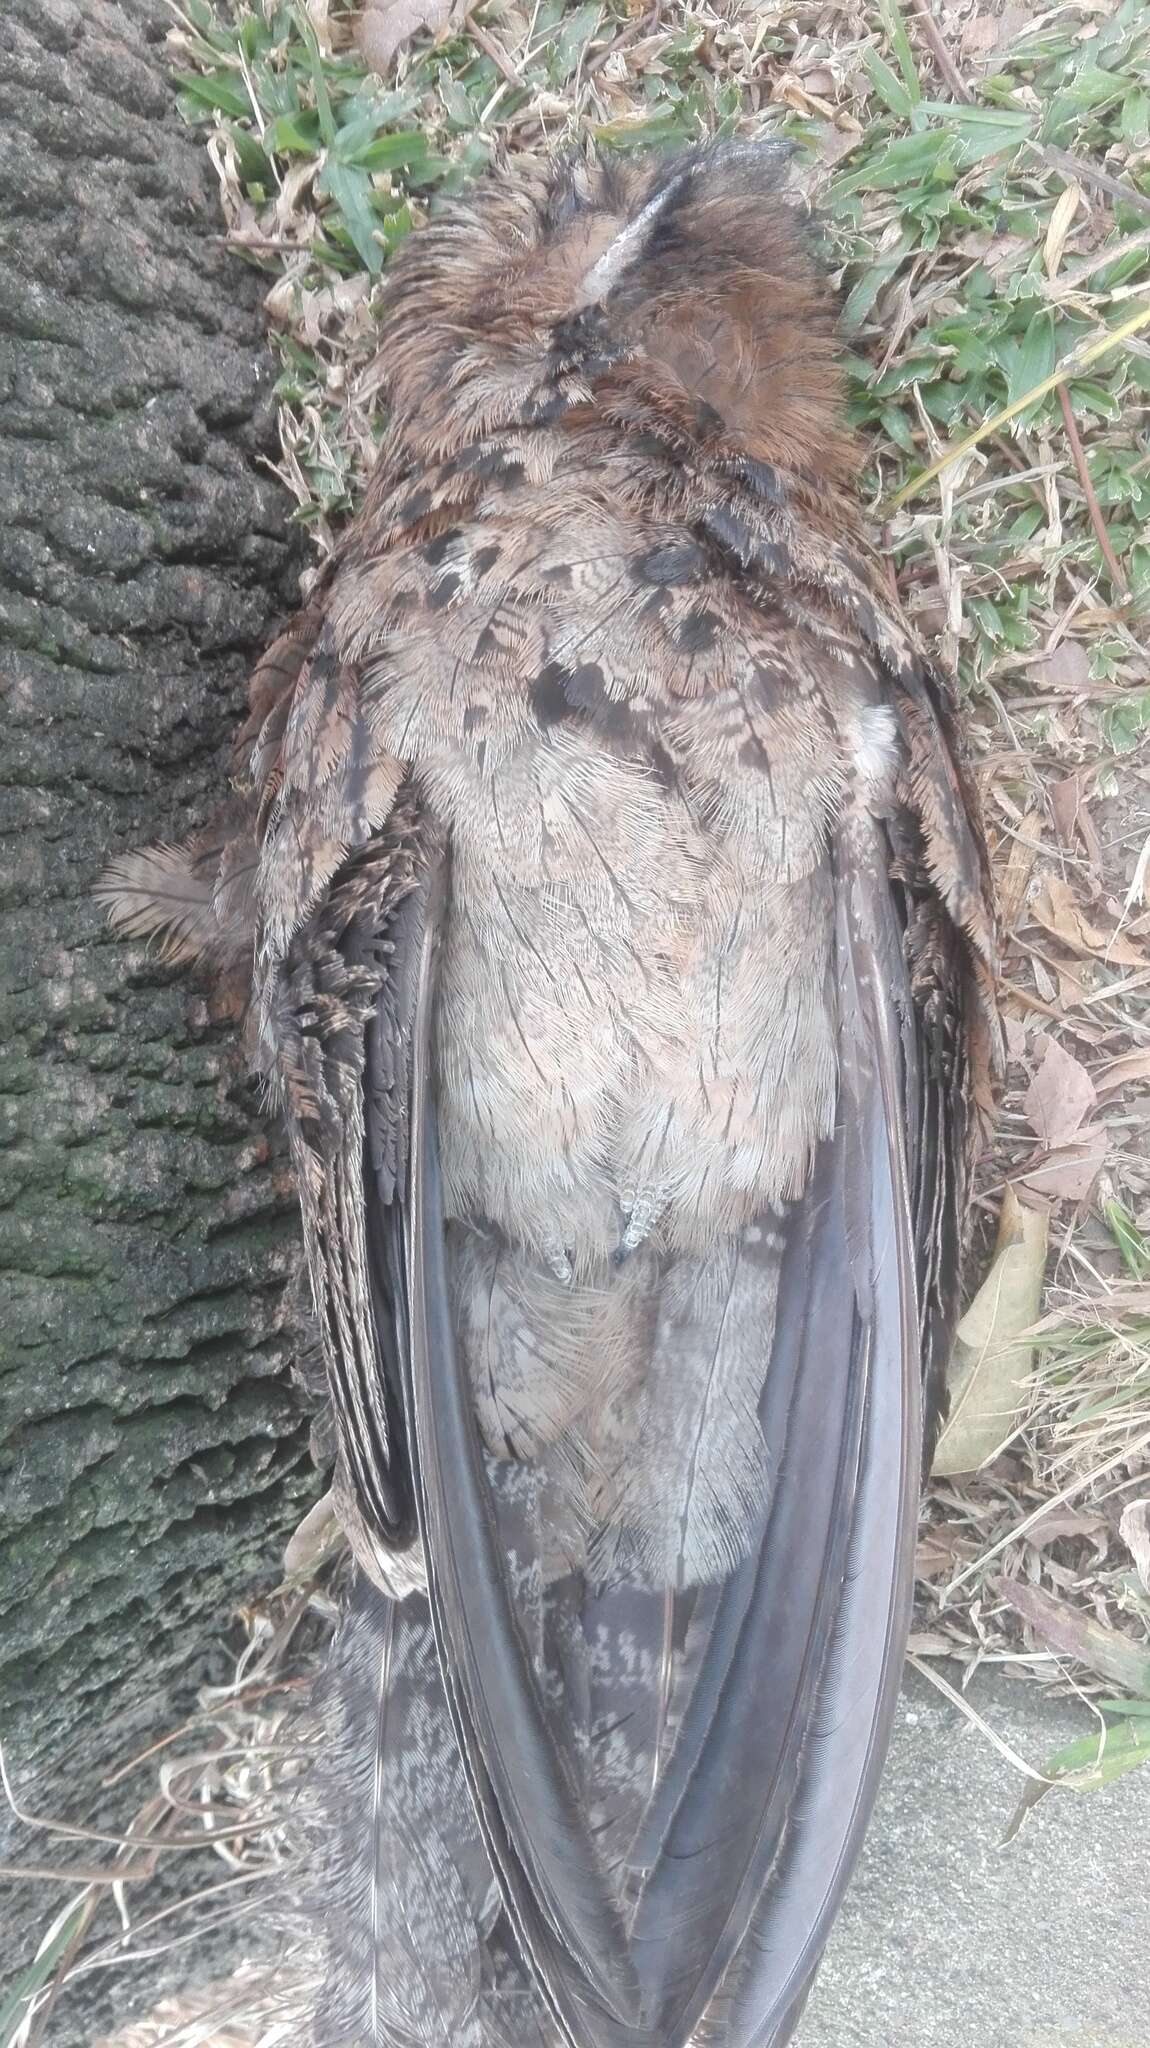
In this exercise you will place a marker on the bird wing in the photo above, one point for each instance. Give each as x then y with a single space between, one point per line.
767 1698
748 1838
670 1764
671 1782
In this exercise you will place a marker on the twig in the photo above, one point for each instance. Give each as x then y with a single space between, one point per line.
888 563
630 34
1117 576
497 54
1099 259
1068 165
940 53
1078 1485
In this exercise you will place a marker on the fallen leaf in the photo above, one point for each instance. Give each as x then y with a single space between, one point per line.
1124 1072
1060 1097
1061 222
1134 1529
385 25
229 2013
1068 1630
1132 1300
1066 667
1056 910
1015 878
980 35
793 92
835 141
1065 1521
1017 1037
992 1356
1072 816
929 1643
941 1551
1068 1174
318 1536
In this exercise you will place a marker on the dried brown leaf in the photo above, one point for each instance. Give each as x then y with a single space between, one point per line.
1014 880
1061 222
1064 1628
1067 667
318 1537
1125 1072
1134 1529
1073 820
385 25
992 1354
1057 911
1068 1174
1060 1097
1063 1522
1130 1300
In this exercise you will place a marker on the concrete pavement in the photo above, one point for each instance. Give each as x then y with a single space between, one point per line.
947 1939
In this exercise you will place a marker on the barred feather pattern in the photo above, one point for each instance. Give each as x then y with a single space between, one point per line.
606 864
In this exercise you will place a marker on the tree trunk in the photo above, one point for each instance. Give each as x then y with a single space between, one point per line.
154 1452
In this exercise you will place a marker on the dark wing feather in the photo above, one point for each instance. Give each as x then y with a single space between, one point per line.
529 1808
345 981
772 1780
748 1841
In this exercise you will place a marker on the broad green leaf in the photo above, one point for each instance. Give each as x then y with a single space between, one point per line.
898 429
1092 1760
645 134
866 289
1126 723
1099 1759
1097 398
319 81
1025 362
351 190
572 41
902 161
296 133
1129 1239
1134 125
1005 121
214 92
895 27
385 152
889 87
253 162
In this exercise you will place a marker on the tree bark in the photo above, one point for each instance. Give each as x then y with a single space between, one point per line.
154 1451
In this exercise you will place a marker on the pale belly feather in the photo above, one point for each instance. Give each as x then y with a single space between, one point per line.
633 1025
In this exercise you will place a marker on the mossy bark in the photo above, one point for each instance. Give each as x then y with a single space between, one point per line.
153 1451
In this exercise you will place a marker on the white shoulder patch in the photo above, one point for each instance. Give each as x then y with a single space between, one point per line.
874 748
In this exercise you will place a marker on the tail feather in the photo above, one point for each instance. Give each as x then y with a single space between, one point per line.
401 1889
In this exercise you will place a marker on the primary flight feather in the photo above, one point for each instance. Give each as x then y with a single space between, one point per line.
620 953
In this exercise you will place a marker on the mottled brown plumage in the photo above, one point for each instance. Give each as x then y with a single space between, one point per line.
621 954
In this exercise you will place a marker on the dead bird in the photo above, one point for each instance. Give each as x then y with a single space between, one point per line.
620 944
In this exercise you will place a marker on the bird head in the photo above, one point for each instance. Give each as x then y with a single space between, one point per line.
676 292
